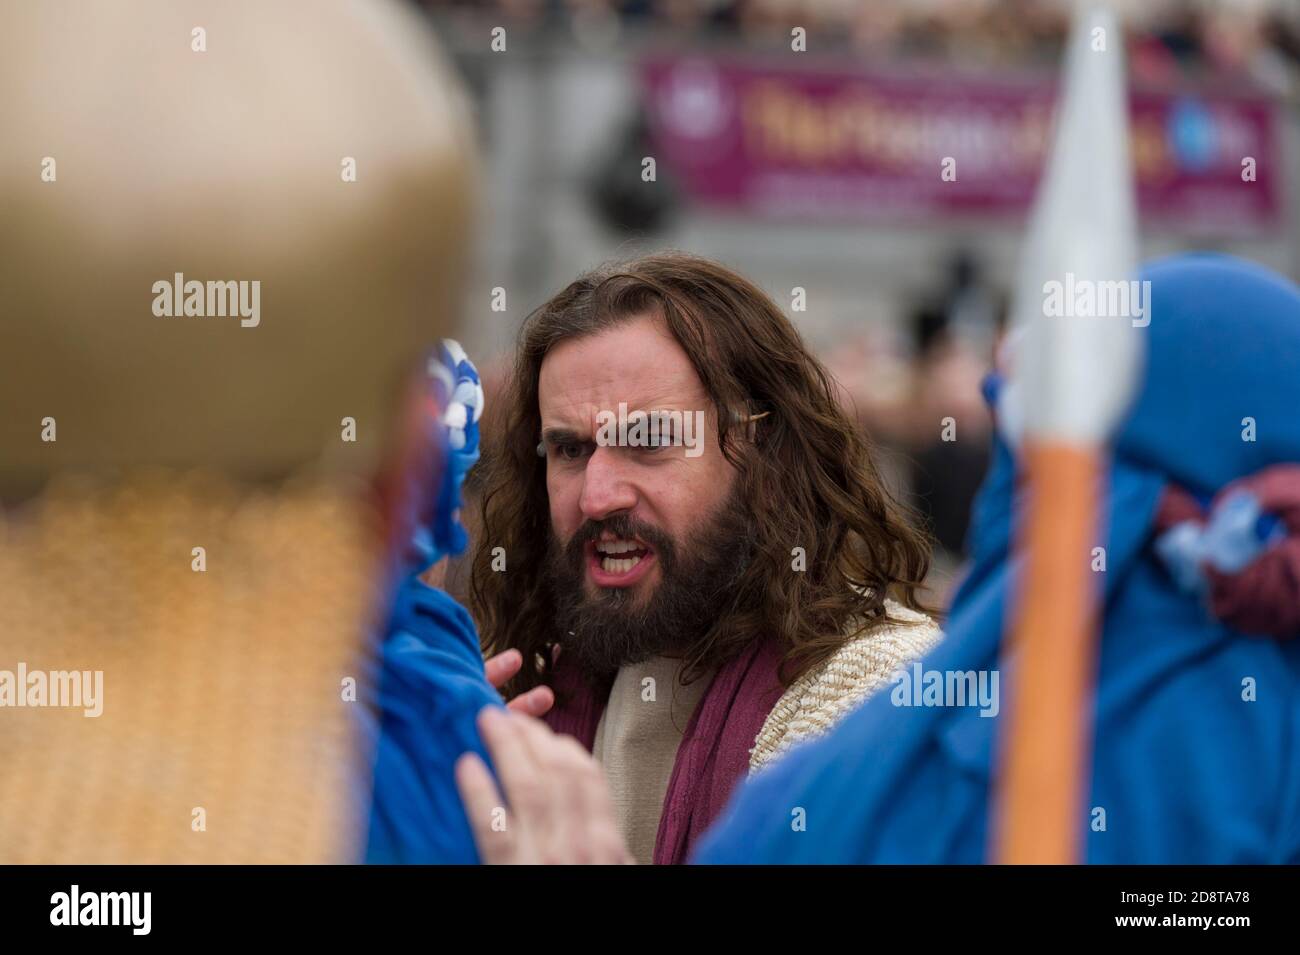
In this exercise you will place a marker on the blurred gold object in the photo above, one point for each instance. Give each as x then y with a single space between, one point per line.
225 735
214 140
223 165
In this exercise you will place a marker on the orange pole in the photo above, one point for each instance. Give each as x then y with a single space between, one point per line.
1046 747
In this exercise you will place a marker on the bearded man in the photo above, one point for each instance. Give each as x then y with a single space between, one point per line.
699 602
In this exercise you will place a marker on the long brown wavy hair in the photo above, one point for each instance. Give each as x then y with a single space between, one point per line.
805 473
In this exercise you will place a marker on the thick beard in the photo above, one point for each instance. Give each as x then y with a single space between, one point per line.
617 626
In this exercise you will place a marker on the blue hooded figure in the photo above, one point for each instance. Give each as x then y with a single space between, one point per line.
1196 711
432 682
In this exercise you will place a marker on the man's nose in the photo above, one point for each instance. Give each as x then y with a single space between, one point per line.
605 488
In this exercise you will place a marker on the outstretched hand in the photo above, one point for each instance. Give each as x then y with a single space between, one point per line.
560 809
500 668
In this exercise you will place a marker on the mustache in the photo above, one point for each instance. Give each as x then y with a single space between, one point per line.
624 526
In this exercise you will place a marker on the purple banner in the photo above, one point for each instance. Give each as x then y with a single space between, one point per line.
872 145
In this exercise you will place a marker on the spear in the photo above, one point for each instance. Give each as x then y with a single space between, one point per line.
1074 371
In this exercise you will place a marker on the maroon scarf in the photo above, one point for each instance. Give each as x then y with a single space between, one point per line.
714 752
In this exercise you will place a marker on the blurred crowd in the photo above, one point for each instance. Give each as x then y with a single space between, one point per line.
1255 39
915 389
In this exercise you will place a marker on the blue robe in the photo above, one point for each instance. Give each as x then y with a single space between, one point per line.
431 689
1185 768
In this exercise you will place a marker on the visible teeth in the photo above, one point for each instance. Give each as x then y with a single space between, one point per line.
616 546
614 565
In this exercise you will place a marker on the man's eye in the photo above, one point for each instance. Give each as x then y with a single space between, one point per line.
570 451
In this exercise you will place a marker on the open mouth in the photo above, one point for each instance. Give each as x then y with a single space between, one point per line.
617 561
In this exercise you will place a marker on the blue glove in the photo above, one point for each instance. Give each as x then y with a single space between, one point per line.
457 390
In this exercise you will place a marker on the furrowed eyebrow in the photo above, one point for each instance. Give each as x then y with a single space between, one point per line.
562 436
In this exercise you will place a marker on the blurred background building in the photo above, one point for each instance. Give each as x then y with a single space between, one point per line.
807 144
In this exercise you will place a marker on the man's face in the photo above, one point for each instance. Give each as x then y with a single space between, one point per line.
634 527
